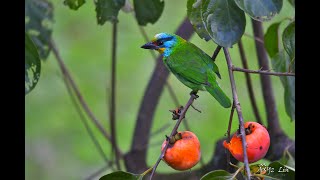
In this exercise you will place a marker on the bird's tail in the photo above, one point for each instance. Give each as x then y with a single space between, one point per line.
219 95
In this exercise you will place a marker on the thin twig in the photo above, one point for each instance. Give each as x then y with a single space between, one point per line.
238 108
83 103
249 83
195 108
216 52
174 131
265 72
112 112
84 121
161 129
176 102
229 131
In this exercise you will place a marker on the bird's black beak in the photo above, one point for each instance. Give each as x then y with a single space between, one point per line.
149 45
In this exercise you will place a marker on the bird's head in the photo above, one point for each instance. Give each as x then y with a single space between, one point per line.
163 43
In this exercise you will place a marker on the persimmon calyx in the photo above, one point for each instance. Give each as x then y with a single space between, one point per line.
174 138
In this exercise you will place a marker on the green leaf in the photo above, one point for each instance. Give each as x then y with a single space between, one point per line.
108 10
217 175
148 11
194 15
74 4
288 39
281 63
288 160
120 175
271 39
276 170
256 168
261 10
38 24
32 65
220 20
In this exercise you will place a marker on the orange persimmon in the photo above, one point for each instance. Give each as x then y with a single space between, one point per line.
184 153
258 142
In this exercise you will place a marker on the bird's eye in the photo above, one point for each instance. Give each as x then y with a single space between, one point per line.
160 43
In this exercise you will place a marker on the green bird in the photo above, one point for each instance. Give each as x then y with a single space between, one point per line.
193 67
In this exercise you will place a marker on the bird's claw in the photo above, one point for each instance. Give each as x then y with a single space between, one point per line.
194 94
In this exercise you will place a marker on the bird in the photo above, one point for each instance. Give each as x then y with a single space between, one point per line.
190 65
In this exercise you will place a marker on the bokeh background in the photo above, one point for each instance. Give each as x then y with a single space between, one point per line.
57 145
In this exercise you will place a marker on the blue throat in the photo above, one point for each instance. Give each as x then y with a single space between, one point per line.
167 52
169 46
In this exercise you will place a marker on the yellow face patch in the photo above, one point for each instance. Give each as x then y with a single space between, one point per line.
161 50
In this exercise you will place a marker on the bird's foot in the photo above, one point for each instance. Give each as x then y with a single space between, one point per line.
194 94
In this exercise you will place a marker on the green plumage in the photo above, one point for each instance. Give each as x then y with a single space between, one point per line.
192 66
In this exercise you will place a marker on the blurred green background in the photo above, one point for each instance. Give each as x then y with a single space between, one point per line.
57 145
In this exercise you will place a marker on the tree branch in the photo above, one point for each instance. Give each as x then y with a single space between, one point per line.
238 108
229 131
83 103
135 159
112 112
174 131
279 141
270 104
249 83
84 121
264 72
216 52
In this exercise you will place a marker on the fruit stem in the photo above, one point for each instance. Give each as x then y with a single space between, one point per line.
145 172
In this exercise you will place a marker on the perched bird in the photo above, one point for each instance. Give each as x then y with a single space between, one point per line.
193 67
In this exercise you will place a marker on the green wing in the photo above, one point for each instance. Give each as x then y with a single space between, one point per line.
187 64
207 59
191 63
196 70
